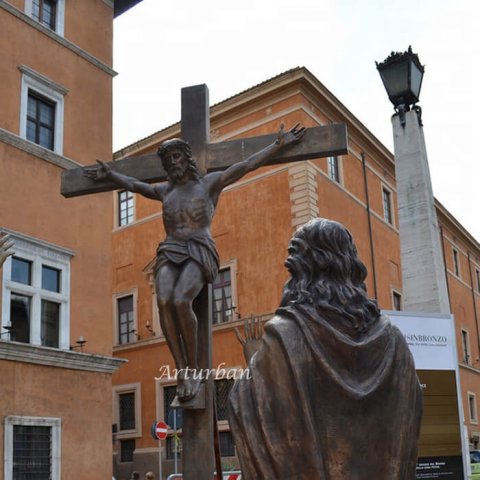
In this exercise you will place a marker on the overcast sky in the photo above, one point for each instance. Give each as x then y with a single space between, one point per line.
163 45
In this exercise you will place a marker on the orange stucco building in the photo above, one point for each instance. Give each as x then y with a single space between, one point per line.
56 337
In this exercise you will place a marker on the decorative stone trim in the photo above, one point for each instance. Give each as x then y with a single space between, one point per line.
303 193
24 352
50 33
37 150
42 244
43 79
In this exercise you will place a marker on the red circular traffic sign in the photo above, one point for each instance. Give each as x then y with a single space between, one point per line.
161 430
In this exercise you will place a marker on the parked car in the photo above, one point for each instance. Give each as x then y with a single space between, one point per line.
475 464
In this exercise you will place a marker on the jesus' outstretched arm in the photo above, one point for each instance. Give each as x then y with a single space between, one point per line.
239 169
105 172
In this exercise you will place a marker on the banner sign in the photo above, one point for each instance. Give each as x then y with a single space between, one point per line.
431 339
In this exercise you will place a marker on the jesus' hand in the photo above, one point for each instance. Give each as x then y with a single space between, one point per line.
292 136
102 172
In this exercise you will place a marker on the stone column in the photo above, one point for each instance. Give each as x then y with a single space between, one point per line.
424 283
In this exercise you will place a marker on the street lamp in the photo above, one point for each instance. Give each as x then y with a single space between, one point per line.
402 75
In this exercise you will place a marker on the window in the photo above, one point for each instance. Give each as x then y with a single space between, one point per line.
222 390
472 407
32 448
174 446
387 206
169 393
333 169
173 442
36 294
40 120
456 262
396 300
222 297
41 110
49 13
477 275
465 347
127 410
227 446
127 447
125 208
44 11
126 320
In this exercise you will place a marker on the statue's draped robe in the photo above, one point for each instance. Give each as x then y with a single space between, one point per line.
325 402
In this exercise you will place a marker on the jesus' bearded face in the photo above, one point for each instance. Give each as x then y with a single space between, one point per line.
176 164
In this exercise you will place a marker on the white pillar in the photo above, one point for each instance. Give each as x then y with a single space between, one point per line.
424 283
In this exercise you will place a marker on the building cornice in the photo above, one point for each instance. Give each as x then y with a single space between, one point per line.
37 150
54 36
455 227
299 80
24 352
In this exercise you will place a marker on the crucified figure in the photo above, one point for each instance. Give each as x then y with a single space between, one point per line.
187 259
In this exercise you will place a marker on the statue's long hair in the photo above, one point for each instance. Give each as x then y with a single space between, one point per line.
327 273
179 144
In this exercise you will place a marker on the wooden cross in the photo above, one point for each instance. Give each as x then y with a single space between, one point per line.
195 127
318 142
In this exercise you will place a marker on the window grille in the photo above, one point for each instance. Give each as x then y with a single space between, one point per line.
222 390
32 452
127 447
126 408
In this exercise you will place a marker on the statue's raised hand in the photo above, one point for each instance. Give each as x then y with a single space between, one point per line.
5 248
294 135
252 336
102 172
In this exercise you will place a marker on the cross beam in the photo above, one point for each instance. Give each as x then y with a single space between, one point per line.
318 142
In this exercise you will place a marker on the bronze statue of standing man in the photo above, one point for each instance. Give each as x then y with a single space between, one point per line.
187 259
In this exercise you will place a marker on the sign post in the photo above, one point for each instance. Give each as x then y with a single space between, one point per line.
160 432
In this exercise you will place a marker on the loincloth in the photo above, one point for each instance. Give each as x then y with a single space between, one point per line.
201 250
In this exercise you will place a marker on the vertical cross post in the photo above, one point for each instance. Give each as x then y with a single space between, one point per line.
197 452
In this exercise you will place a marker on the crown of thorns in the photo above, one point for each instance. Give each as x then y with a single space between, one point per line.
176 143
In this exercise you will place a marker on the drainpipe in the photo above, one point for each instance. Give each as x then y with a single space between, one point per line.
370 234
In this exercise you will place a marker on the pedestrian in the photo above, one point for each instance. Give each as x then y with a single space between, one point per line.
149 476
135 476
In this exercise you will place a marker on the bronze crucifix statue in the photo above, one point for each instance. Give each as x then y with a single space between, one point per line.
187 259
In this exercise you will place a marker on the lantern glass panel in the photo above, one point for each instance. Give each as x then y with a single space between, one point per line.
395 79
416 80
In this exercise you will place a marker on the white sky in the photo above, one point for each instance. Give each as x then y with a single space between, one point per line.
161 46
